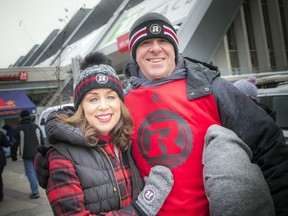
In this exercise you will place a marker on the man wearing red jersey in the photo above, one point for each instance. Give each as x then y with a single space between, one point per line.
174 100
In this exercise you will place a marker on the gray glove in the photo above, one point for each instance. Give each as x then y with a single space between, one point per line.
157 187
233 184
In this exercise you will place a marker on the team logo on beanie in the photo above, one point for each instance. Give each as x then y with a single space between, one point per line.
101 78
155 29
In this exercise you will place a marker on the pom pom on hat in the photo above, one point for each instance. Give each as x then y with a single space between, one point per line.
252 79
247 86
97 75
151 25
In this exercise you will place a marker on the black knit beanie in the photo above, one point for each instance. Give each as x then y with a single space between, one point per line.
94 77
24 113
151 25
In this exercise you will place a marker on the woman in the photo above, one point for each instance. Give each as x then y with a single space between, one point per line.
91 170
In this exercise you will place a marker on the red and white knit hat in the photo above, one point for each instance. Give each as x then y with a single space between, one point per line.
151 25
94 77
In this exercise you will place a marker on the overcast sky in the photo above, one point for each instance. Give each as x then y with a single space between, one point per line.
24 23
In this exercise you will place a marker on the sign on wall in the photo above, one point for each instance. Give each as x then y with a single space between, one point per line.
22 76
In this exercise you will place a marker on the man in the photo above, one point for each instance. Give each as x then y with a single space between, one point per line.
28 136
174 100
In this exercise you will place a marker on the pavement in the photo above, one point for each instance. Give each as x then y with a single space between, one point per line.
16 200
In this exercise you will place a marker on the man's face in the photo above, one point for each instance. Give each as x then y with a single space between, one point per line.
156 58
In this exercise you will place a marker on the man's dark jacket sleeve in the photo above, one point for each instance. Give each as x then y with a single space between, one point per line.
260 132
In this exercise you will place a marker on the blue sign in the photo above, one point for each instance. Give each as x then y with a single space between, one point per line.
13 102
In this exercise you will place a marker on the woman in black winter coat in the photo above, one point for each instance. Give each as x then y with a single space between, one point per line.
91 170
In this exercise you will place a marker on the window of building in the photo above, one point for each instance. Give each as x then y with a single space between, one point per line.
268 33
233 50
284 26
251 37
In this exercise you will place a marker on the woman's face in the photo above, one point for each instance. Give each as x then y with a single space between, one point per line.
102 109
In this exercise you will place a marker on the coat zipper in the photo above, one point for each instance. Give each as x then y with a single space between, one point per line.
114 176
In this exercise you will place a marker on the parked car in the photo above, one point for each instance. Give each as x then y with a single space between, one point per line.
45 113
275 96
